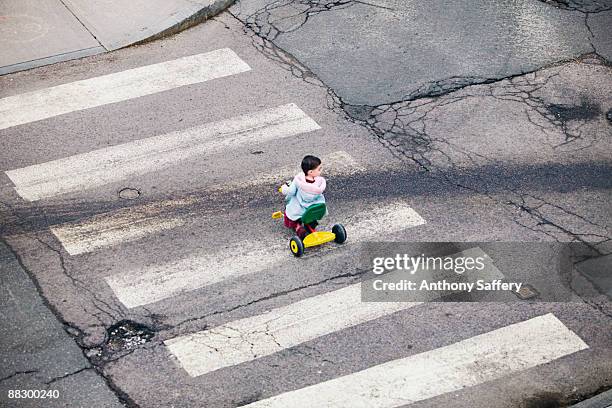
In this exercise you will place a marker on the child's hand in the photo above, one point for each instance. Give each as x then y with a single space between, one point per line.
285 187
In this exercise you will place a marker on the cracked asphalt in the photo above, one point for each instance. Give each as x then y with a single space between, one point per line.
491 119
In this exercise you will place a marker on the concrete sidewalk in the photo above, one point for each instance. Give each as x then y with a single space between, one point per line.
35 33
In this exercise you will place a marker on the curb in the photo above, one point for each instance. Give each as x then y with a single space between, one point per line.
603 400
53 59
179 21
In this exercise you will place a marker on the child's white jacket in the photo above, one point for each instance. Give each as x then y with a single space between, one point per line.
301 194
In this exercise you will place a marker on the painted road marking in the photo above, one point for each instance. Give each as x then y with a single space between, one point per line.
133 223
125 225
107 165
288 326
470 362
142 287
247 339
117 87
338 163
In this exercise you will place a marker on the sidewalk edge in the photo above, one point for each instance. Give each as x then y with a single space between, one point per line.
182 20
171 26
603 400
53 59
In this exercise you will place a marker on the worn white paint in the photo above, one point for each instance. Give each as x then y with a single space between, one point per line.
133 83
107 165
141 287
276 330
288 326
133 223
467 363
116 227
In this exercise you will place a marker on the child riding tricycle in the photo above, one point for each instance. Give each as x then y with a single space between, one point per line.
305 206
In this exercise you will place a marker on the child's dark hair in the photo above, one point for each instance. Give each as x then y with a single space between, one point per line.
310 163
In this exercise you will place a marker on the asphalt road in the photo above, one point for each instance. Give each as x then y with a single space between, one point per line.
454 122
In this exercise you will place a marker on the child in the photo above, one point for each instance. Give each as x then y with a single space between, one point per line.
305 190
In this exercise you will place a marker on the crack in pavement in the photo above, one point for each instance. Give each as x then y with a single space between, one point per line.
24 221
582 6
591 35
408 117
318 357
543 221
294 14
287 16
251 337
27 372
603 305
401 127
69 375
274 53
73 331
267 297
97 302
588 8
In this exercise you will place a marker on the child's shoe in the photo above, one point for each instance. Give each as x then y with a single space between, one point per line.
301 231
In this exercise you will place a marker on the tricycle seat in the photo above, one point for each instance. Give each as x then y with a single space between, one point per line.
314 213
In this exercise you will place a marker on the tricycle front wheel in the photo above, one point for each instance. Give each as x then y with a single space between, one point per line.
296 246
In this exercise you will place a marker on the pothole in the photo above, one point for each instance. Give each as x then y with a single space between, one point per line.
127 335
609 116
129 193
360 112
567 113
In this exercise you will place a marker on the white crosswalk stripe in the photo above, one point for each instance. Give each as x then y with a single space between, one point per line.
142 287
254 337
467 363
103 166
134 223
338 163
117 87
125 225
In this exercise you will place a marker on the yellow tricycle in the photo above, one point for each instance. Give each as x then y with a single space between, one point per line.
313 237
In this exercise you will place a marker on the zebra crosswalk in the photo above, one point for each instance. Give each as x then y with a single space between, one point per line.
106 165
465 363
285 327
134 223
112 88
120 226
142 287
